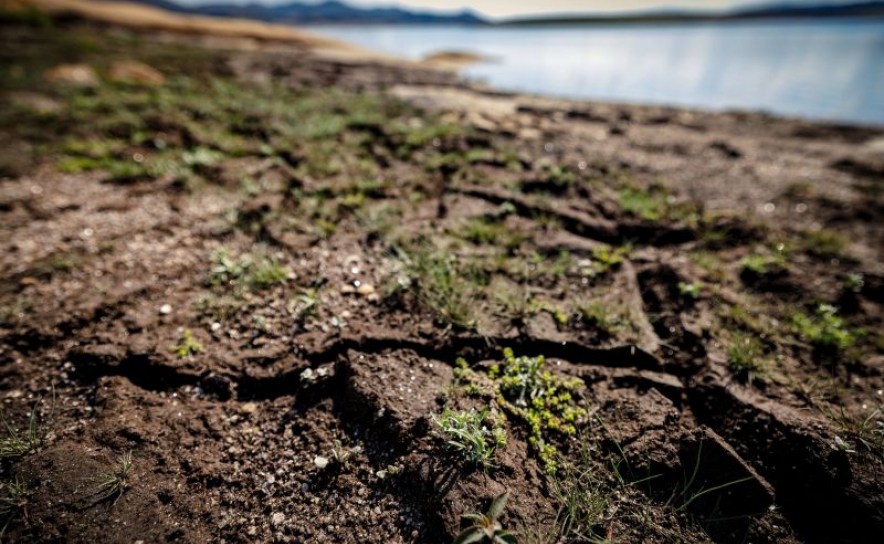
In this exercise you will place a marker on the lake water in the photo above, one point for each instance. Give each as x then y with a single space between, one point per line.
815 69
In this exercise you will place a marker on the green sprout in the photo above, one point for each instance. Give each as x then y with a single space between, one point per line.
746 357
13 500
826 329
486 527
689 290
187 346
114 484
467 432
16 444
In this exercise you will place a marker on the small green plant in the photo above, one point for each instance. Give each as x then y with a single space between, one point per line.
746 356
16 444
824 243
187 346
689 290
583 496
867 431
304 304
468 432
605 258
516 304
650 205
761 265
13 501
826 329
485 527
114 484
854 282
439 283
246 273
596 313
340 455
543 401
489 231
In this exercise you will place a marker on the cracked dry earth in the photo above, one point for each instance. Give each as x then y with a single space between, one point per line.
616 241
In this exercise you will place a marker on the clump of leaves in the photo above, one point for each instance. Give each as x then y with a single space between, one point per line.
340 456
761 265
114 484
648 204
187 346
826 329
247 272
824 243
491 231
583 496
439 284
13 500
689 290
472 433
486 527
867 432
746 357
16 444
545 402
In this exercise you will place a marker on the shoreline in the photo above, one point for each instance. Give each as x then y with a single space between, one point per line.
248 34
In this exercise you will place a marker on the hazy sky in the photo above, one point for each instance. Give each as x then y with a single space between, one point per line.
504 8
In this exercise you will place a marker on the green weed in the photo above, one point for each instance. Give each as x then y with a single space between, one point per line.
246 273
187 346
487 231
650 205
115 484
473 434
340 456
761 265
867 432
689 290
13 501
746 356
486 527
606 258
439 283
16 444
826 329
545 403
824 243
583 496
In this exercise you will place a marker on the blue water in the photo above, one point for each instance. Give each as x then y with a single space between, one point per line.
814 69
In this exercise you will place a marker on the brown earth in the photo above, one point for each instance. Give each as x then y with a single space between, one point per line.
405 219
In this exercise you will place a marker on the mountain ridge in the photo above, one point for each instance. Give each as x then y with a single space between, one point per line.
336 11
329 11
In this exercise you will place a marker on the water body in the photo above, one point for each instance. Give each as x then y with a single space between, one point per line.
832 70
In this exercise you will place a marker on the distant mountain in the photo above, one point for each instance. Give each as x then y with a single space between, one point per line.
862 9
330 11
773 11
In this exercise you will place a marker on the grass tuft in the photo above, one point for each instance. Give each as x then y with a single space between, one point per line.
113 485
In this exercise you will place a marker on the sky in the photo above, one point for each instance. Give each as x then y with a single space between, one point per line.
509 8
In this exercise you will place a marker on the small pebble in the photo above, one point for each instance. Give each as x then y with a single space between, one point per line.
278 518
365 289
166 309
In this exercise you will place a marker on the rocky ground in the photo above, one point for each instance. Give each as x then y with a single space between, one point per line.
267 296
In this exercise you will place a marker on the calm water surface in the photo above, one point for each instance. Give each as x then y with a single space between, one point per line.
821 70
